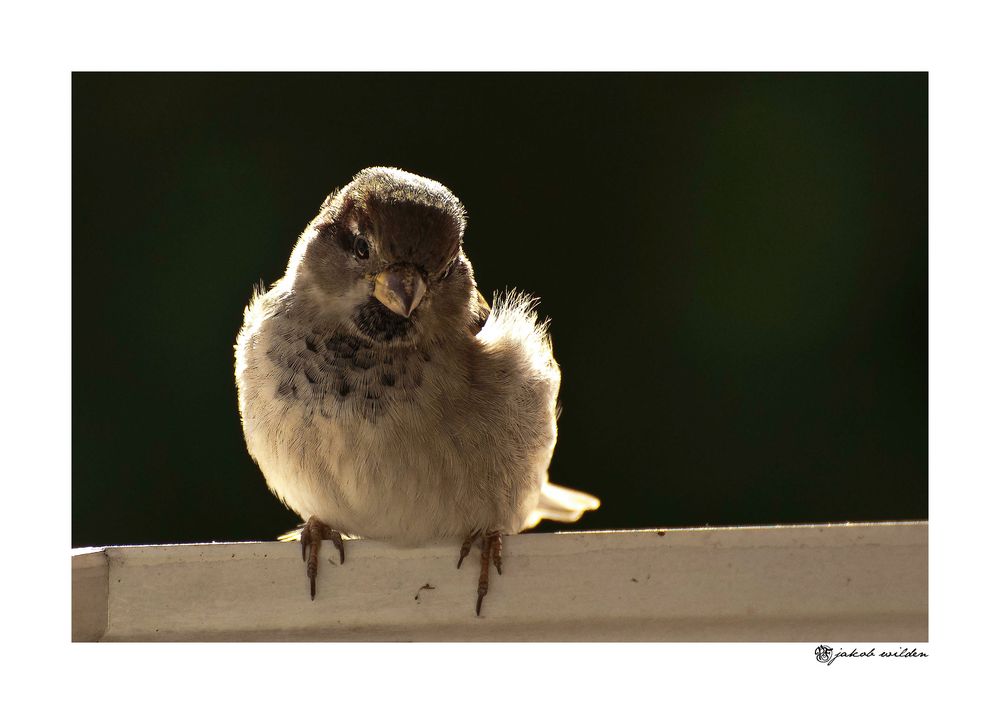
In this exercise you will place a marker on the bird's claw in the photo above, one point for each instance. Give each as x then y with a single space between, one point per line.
466 547
314 532
491 545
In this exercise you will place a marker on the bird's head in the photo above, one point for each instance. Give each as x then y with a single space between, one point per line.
384 255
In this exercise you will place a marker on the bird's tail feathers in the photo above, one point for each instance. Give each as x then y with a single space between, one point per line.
291 536
558 503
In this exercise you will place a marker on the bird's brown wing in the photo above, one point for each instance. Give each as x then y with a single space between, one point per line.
482 314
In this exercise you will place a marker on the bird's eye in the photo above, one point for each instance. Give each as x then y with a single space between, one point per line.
361 249
447 271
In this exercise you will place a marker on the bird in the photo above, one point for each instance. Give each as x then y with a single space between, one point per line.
383 397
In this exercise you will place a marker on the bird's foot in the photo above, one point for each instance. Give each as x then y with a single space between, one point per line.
491 546
314 532
466 547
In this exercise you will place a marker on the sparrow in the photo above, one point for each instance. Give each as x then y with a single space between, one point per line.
384 398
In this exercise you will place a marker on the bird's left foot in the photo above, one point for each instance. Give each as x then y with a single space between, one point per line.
491 546
315 532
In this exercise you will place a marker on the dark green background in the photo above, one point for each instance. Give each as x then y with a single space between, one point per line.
735 267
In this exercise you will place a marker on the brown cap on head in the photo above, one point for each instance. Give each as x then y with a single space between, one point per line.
416 220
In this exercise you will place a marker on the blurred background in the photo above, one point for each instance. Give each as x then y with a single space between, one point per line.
735 266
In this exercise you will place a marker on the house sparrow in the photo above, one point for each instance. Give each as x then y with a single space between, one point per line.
381 395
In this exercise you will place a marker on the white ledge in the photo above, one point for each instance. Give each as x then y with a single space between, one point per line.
815 583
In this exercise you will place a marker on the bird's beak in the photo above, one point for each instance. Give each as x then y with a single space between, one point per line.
400 288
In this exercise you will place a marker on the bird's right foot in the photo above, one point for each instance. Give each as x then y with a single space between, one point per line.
314 532
491 545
